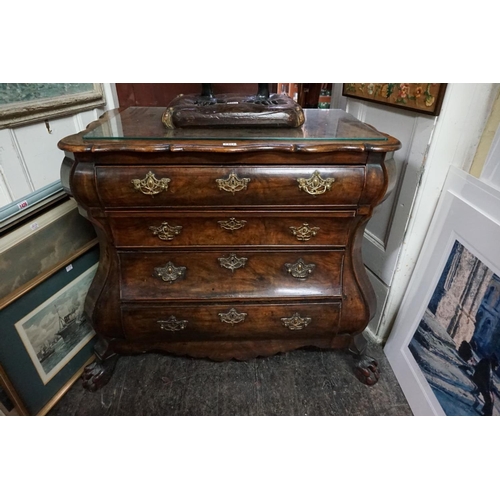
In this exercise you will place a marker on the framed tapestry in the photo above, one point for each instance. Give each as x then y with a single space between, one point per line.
46 340
445 344
422 97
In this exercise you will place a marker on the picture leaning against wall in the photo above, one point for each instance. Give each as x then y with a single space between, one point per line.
57 329
444 346
457 342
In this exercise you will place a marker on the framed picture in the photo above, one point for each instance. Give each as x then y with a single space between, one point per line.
445 344
33 251
22 103
46 341
422 97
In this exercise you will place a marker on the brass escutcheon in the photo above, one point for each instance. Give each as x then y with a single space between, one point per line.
232 262
300 269
169 273
150 185
232 224
315 184
304 232
172 324
165 231
295 322
232 183
232 317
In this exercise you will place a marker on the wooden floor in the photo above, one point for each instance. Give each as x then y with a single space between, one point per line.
302 382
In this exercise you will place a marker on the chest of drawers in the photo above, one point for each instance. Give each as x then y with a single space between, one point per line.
228 244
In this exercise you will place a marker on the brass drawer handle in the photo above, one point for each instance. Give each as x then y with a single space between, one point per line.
150 185
304 232
232 262
315 184
232 224
300 269
165 231
295 322
232 184
170 273
232 317
172 324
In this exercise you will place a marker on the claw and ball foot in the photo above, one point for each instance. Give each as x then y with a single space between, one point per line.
366 368
98 373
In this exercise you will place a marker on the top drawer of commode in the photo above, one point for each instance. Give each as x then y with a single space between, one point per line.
229 186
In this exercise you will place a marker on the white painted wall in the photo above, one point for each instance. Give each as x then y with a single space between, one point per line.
29 157
491 170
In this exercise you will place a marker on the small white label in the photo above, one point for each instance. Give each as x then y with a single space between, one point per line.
34 226
229 143
69 267
22 204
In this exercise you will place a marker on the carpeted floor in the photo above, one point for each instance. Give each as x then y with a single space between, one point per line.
302 382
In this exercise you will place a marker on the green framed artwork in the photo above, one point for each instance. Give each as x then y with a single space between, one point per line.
425 98
22 103
45 340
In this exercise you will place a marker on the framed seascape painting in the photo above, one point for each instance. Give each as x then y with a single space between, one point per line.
445 344
46 340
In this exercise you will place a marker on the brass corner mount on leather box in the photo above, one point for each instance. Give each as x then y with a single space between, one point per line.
263 110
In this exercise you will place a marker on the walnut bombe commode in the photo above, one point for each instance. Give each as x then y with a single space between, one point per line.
228 243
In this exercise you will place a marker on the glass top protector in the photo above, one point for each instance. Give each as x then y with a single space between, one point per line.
320 125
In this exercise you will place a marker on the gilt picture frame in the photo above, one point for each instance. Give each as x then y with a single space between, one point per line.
445 342
34 250
38 361
424 98
23 103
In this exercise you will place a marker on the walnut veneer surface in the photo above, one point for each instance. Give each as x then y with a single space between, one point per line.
228 244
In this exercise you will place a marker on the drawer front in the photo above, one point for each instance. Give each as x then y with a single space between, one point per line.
230 229
231 321
174 186
219 275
